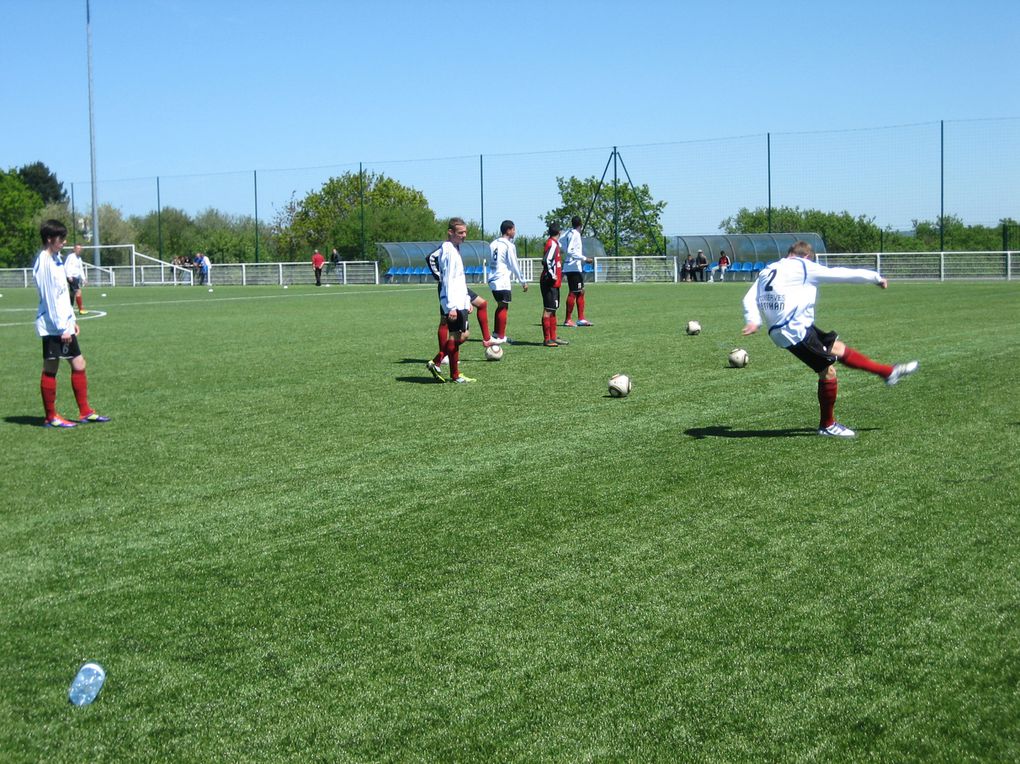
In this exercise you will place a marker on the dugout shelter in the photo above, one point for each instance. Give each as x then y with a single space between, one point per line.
742 247
407 259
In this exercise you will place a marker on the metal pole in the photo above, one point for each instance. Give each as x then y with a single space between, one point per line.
616 209
92 142
942 185
73 217
768 152
159 220
361 192
481 190
255 174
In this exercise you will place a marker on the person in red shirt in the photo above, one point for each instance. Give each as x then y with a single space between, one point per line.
552 277
724 264
317 262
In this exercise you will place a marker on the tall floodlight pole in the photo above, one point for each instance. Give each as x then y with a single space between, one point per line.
92 143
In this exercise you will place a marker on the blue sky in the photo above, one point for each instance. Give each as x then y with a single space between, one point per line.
219 89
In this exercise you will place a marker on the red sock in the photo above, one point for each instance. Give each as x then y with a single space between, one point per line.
48 387
80 385
827 389
501 314
443 333
856 360
77 299
571 299
453 353
552 327
545 327
580 307
483 321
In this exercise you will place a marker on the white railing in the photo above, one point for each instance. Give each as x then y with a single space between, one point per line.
940 266
146 271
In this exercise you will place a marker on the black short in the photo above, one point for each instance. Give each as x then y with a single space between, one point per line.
816 349
74 285
54 348
550 295
458 324
576 281
472 296
501 295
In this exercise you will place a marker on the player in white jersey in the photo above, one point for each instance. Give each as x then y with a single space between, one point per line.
573 268
454 300
478 305
785 293
503 266
74 270
56 325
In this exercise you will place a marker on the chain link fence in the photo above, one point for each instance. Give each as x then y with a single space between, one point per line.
894 175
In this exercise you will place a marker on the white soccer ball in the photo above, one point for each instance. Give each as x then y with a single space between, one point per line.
103 294
285 286
619 386
693 327
738 358
210 290
494 353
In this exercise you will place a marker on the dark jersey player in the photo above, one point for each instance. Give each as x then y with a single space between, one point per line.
550 281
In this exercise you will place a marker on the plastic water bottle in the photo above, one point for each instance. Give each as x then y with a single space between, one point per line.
87 684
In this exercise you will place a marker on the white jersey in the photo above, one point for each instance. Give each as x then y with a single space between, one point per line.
785 293
453 291
573 252
503 264
55 315
73 267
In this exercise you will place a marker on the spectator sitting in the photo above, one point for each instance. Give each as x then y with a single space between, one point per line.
721 266
687 269
700 266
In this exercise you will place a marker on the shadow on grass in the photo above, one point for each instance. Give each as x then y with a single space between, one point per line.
725 431
31 421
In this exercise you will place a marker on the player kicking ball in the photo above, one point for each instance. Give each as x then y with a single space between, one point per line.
785 293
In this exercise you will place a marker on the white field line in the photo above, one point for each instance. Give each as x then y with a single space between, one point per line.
100 313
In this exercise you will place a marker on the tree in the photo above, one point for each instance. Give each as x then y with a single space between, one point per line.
957 235
116 230
179 235
228 238
840 230
333 215
624 212
40 179
19 232
844 233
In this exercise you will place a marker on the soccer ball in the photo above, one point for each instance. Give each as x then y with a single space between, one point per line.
619 386
738 358
693 327
494 353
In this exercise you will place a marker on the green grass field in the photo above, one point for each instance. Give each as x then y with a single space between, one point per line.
290 544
